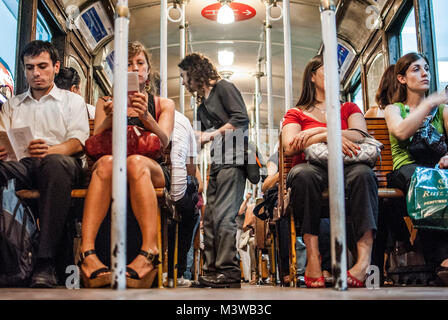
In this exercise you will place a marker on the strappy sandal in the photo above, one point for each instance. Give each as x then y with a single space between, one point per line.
353 282
134 281
315 282
95 280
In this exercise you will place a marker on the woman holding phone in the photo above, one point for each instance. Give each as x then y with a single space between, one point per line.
144 175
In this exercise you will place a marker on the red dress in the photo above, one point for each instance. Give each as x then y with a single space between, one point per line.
296 115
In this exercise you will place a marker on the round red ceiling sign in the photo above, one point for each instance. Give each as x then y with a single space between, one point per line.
242 11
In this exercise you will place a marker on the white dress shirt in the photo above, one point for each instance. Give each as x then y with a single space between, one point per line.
183 146
91 110
57 117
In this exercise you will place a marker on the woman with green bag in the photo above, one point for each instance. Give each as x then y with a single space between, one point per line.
404 118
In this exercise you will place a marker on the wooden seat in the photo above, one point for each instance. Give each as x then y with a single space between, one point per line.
377 127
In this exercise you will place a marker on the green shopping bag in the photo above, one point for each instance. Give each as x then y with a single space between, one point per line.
427 198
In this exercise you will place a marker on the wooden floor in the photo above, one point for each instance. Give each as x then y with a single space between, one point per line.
247 292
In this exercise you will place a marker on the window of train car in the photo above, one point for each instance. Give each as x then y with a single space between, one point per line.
355 93
42 29
8 35
440 8
408 35
373 78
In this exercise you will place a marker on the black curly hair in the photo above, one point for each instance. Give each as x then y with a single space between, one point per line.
200 72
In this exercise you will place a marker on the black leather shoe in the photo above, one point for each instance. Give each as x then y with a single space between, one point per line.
44 277
219 280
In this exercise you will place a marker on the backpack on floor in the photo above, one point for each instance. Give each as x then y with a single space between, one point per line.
18 239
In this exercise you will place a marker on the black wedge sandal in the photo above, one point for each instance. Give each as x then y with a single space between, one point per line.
95 280
134 281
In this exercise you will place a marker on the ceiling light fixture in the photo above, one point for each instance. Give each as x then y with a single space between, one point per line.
225 13
225 58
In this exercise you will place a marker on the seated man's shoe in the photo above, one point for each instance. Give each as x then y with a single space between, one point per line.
219 281
44 277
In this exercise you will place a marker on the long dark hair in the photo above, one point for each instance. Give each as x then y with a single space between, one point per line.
402 65
387 88
200 70
308 96
66 78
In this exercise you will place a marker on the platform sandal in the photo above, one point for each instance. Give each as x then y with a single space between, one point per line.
134 281
96 279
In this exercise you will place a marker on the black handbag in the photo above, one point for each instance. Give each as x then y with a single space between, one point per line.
427 144
18 239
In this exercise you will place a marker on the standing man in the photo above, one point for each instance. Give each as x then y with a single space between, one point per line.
183 191
59 124
223 114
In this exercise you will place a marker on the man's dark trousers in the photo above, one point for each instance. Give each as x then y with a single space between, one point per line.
224 197
54 177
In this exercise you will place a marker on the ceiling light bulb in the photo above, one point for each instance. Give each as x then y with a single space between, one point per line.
225 14
225 58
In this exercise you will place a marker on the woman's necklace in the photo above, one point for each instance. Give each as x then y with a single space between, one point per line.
322 111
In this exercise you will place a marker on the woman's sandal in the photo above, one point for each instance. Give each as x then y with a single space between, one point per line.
96 279
353 282
134 281
315 282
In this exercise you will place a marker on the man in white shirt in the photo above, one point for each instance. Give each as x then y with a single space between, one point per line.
184 191
59 124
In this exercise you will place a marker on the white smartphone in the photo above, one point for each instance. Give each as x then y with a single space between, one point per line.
133 86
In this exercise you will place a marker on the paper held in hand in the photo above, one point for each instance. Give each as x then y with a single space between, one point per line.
16 142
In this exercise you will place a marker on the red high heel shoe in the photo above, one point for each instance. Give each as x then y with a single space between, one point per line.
353 282
315 282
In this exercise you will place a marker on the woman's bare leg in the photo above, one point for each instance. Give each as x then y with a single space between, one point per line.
313 265
143 175
364 246
95 209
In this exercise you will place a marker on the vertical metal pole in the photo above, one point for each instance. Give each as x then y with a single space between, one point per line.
26 32
163 48
268 28
287 49
119 192
182 27
257 107
258 76
335 164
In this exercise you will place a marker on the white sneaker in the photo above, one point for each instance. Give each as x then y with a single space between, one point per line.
183 283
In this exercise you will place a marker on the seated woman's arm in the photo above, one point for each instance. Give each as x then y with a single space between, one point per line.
272 177
164 127
269 182
443 163
355 121
103 115
403 129
295 140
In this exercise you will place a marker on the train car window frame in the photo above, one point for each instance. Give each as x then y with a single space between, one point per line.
373 77
408 34
439 27
394 29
